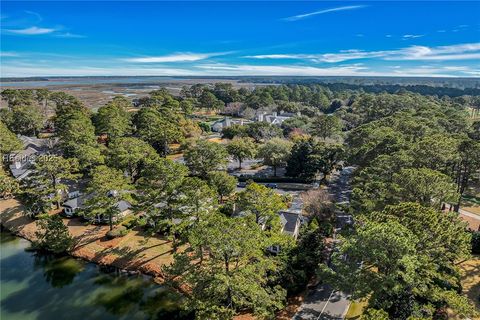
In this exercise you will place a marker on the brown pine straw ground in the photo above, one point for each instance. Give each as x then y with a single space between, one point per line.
136 251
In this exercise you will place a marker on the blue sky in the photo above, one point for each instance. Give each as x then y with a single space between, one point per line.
240 38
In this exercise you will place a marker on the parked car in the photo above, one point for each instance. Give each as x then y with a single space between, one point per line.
241 184
271 185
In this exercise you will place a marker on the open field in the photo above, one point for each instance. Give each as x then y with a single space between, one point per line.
95 92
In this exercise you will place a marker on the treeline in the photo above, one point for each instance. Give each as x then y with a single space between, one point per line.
429 86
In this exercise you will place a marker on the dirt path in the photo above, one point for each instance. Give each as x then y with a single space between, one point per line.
134 252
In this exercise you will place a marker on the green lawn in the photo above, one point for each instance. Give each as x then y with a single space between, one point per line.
469 200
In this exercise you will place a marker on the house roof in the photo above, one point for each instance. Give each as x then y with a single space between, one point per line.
291 220
74 203
78 202
123 205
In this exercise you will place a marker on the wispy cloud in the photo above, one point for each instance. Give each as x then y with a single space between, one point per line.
31 31
36 14
225 69
281 70
324 57
177 57
69 35
466 51
310 14
412 36
8 54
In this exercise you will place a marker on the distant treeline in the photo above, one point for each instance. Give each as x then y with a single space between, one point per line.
425 86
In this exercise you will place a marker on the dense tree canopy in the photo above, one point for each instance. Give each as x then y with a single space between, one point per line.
263 203
223 183
404 258
275 153
114 118
234 276
131 155
106 188
241 149
8 140
157 129
204 156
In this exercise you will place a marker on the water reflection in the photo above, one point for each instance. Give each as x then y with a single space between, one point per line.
58 271
38 286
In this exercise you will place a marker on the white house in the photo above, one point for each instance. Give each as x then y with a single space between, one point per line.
274 117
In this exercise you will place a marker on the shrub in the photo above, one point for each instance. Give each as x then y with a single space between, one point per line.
205 127
53 235
117 232
130 222
476 242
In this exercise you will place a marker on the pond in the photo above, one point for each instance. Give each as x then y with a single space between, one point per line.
39 286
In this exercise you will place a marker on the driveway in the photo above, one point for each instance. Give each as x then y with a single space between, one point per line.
323 303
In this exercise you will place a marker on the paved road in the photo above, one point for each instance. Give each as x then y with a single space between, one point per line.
324 303
339 187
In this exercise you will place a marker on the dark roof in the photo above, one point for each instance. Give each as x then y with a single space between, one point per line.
74 203
290 221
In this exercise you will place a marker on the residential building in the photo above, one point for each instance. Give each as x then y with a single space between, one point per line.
21 162
218 125
274 117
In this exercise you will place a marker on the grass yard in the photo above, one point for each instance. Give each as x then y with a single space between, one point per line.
356 309
471 279
471 200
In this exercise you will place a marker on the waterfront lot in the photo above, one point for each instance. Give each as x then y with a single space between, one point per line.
136 251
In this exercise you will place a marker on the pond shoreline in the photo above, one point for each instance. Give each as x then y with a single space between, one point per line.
91 244
37 285
114 253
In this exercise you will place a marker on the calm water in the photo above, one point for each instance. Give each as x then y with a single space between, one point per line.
43 287
85 81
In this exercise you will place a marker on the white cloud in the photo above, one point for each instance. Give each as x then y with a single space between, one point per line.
306 15
466 51
177 57
31 31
